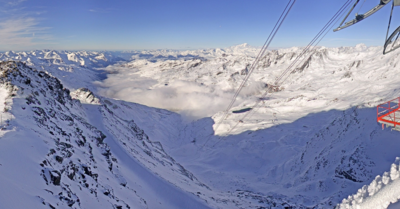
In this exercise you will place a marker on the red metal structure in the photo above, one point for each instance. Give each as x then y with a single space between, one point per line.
386 113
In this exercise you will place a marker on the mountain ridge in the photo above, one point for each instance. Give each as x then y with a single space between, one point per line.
312 143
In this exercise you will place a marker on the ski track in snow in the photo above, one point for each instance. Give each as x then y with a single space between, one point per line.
311 144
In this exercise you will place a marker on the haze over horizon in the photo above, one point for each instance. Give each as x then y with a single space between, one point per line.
176 24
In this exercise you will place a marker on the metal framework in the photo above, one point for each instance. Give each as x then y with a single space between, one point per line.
360 17
386 114
393 42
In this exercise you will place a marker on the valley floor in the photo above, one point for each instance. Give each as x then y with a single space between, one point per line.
84 141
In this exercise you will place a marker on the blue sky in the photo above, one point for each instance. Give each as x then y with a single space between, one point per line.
177 24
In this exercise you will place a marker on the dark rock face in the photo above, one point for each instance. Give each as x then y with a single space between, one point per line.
305 65
86 95
78 160
74 144
51 176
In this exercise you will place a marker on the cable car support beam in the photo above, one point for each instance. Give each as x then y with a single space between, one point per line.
390 43
360 17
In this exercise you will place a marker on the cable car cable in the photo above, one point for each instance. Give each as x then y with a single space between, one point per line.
323 31
261 53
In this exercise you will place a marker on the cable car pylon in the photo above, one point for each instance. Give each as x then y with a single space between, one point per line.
392 43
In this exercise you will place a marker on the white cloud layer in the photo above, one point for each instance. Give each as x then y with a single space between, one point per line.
188 98
194 87
21 32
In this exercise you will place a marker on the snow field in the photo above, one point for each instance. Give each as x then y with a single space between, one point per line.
382 191
202 84
5 106
309 145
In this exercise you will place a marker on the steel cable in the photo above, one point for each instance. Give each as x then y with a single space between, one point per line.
305 50
253 66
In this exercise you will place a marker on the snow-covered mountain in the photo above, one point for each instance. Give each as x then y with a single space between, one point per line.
74 136
53 155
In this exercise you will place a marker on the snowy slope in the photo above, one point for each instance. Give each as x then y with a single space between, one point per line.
314 142
379 194
311 144
53 157
91 153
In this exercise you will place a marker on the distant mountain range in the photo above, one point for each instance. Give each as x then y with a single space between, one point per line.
138 129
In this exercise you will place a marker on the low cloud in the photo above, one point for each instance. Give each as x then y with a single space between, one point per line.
188 98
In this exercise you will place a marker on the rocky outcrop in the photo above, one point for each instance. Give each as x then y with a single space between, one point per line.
77 157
